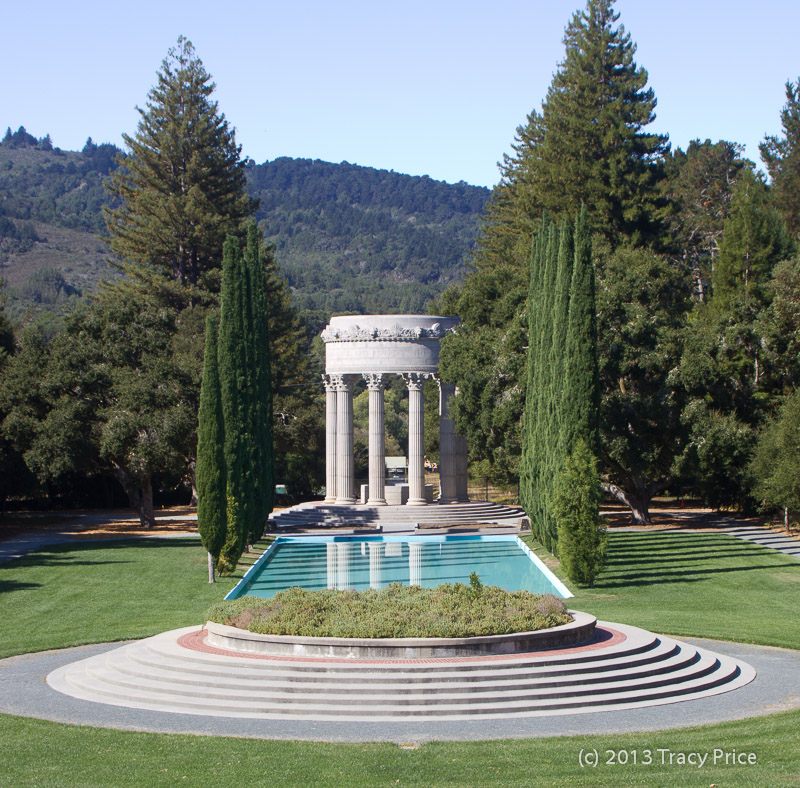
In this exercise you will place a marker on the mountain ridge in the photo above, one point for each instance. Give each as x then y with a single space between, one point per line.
348 238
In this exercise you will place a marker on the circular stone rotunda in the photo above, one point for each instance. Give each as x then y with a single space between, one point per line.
375 347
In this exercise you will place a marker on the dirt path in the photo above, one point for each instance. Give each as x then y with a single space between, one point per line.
97 523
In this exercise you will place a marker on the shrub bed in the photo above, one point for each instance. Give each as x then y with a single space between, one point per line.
397 611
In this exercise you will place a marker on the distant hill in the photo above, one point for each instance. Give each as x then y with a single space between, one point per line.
348 238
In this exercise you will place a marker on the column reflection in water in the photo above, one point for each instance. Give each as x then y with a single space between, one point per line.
331 555
375 565
414 563
343 566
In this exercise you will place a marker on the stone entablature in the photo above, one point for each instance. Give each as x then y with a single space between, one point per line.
373 346
389 344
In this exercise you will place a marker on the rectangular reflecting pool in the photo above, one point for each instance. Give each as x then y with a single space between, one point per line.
358 562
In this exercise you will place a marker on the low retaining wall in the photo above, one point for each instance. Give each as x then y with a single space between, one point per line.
576 633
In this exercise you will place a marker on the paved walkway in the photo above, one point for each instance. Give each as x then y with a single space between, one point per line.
767 538
24 692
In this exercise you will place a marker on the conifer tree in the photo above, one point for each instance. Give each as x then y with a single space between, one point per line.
259 385
581 398
233 369
782 157
587 144
754 240
575 504
246 395
181 188
211 472
561 405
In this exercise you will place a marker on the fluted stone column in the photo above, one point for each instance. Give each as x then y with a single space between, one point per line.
461 469
330 438
416 438
377 440
345 471
447 446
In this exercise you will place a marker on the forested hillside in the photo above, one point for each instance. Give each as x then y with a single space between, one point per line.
348 238
356 239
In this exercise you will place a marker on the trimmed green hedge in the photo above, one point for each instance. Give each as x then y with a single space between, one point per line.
449 610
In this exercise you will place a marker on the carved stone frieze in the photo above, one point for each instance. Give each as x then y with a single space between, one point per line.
396 333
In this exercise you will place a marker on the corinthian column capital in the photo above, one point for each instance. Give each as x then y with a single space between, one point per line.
375 381
415 380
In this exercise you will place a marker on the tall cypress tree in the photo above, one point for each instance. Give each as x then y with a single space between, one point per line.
211 472
582 395
259 385
233 385
246 394
562 397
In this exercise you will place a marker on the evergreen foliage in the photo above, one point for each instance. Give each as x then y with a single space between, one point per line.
211 474
782 158
562 397
233 369
755 238
773 468
576 507
581 397
643 306
181 188
587 145
699 186
246 393
257 337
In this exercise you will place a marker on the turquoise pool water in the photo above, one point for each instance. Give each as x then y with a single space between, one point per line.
373 562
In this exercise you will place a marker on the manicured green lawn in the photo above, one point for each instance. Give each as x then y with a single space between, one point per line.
94 592
702 585
684 584
37 753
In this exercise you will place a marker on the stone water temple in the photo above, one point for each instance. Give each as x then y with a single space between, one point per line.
373 347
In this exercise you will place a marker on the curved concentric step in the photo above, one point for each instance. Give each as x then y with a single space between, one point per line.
318 514
177 672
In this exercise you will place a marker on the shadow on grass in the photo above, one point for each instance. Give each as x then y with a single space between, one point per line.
79 553
15 585
649 559
687 576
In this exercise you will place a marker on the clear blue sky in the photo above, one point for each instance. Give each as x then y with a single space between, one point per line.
432 87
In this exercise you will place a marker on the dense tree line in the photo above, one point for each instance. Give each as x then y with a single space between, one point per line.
696 327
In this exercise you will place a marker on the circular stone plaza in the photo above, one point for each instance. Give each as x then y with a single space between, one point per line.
586 677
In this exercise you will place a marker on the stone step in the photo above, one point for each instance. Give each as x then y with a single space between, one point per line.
160 673
376 695
326 514
375 709
134 673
